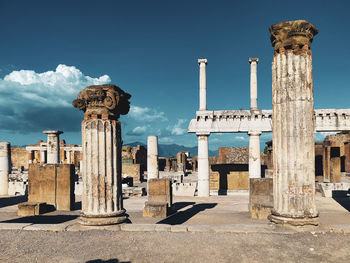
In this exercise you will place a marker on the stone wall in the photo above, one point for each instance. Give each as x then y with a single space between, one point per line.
132 170
19 157
236 155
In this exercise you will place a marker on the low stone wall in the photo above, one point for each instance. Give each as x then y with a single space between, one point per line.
19 157
260 197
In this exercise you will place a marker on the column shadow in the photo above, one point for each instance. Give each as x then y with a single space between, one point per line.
14 200
112 260
43 219
181 217
342 198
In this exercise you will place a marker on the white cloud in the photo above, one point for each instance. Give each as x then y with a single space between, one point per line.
165 140
320 136
240 138
31 101
146 114
138 130
178 129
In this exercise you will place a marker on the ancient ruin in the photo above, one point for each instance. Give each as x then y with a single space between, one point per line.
102 201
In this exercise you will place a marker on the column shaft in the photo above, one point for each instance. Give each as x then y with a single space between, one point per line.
102 195
254 155
5 166
203 166
202 84
253 83
152 158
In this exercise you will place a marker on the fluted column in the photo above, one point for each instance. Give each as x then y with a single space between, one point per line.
53 146
5 167
152 158
102 202
202 84
293 125
203 166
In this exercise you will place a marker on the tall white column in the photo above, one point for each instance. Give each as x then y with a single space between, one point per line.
152 158
53 146
254 155
203 166
5 167
253 83
293 124
202 84
102 200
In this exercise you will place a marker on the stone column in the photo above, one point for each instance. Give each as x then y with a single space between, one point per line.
152 158
253 83
202 84
53 146
293 124
203 166
68 153
254 155
42 156
102 202
5 167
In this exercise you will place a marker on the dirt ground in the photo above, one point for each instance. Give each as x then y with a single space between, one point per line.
108 246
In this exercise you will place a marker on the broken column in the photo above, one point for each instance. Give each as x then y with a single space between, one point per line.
102 202
293 125
5 167
53 146
158 190
203 147
152 158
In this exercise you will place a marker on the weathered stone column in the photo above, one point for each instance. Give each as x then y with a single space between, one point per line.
202 84
203 166
102 202
152 158
293 124
5 167
253 83
68 153
42 156
53 146
30 156
254 154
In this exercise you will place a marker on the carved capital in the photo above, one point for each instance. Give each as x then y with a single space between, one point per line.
290 33
202 60
253 60
103 101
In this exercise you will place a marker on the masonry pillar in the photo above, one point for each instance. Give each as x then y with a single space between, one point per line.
42 155
293 125
253 83
152 158
102 202
5 167
68 153
30 156
53 146
254 155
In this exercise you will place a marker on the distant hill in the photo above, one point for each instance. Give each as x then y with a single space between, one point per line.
166 150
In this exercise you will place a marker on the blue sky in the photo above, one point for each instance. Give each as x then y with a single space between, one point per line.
50 50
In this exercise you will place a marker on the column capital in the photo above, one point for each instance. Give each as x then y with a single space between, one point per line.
202 60
256 60
292 33
103 102
55 132
256 133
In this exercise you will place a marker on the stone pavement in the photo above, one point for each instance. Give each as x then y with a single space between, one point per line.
192 214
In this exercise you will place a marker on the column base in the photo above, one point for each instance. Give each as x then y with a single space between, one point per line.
103 219
294 221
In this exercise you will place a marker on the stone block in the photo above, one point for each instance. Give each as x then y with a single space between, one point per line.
132 170
214 181
268 173
31 209
184 189
53 184
260 197
159 190
237 180
154 209
328 188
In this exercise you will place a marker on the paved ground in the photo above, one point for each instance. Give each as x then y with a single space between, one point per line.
214 229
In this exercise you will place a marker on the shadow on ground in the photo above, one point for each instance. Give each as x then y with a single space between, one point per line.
342 198
113 260
14 200
181 217
43 219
